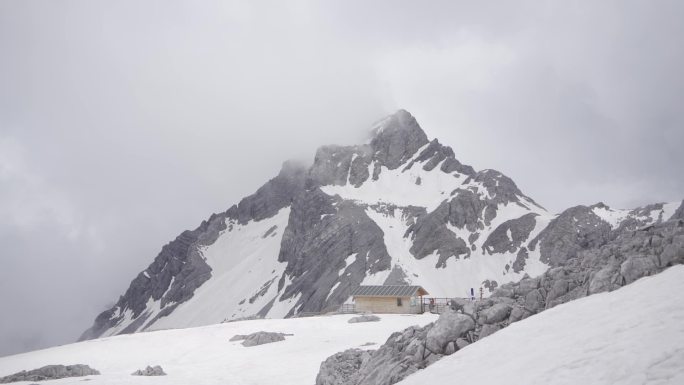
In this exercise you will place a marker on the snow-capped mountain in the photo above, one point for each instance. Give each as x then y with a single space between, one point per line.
398 209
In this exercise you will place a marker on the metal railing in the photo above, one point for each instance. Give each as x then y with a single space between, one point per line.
347 308
435 305
429 304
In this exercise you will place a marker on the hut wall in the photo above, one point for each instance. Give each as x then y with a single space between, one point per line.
386 305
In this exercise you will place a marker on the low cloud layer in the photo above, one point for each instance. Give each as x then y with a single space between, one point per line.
124 123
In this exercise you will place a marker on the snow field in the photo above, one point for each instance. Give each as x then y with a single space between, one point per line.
203 355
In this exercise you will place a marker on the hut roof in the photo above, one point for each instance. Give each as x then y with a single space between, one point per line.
388 291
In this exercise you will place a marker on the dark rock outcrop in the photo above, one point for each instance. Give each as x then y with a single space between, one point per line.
449 327
342 367
259 338
402 354
346 229
364 318
575 229
50 372
430 235
150 371
519 229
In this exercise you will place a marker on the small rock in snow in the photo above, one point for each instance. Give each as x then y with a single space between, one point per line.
364 318
150 371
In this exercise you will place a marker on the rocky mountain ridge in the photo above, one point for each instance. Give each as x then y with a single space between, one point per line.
398 209
590 268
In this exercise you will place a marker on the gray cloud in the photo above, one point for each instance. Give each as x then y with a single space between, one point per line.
123 123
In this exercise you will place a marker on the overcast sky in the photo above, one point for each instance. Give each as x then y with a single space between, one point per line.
123 123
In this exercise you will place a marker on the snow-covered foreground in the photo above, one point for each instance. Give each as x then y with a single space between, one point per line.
204 355
634 335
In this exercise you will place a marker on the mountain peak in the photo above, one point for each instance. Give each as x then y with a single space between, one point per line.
401 120
397 137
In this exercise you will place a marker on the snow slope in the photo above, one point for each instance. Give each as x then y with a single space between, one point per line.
204 355
402 187
245 273
459 275
634 335
615 217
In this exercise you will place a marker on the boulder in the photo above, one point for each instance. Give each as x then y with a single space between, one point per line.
636 267
673 253
489 330
342 367
364 318
494 314
505 292
401 355
50 372
462 343
448 328
463 305
259 338
526 285
517 313
559 288
451 348
602 280
534 301
150 371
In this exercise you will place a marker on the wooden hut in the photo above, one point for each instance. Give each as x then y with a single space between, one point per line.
401 299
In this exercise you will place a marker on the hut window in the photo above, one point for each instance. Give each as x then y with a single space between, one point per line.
398 301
